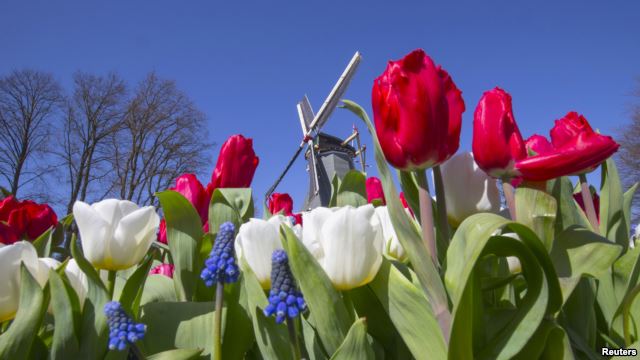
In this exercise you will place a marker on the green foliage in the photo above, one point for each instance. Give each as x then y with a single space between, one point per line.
352 189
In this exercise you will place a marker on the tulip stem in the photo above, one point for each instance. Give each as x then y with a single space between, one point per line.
441 203
217 325
426 215
293 338
588 204
509 197
111 283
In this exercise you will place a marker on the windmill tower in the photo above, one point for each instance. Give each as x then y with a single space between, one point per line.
326 155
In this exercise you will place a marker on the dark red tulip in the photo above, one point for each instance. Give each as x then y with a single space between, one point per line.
163 269
26 219
190 187
596 202
7 235
574 149
417 111
497 143
236 164
374 190
281 202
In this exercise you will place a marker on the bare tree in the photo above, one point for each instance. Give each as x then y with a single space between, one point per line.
164 136
28 100
94 113
629 154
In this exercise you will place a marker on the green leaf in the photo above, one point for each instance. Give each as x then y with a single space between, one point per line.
577 252
312 341
474 240
569 213
158 288
335 185
16 342
65 341
330 316
410 313
230 204
238 333
408 235
626 208
94 331
184 232
43 243
537 210
177 354
546 343
353 190
355 345
613 224
272 339
185 325
133 288
410 188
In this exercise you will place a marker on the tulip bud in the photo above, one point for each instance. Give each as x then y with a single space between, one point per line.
497 143
162 232
280 202
236 164
347 242
469 190
595 198
392 245
257 240
417 111
163 269
190 187
115 234
11 256
374 190
25 219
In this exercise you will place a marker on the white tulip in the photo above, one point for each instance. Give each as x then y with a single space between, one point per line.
115 234
347 242
77 279
467 189
392 245
257 240
10 258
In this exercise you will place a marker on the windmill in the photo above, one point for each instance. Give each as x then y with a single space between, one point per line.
326 155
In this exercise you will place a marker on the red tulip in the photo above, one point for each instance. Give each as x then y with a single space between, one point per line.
163 269
374 190
236 164
403 200
190 187
25 219
596 202
281 202
162 232
7 235
417 111
497 143
574 149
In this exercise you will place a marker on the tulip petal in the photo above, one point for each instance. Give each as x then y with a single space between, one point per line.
256 241
313 222
10 258
78 280
95 232
392 246
112 210
352 243
133 237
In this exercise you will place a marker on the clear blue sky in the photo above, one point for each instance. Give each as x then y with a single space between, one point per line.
246 63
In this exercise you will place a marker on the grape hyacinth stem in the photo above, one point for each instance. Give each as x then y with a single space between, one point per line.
217 322
293 338
588 204
426 215
441 203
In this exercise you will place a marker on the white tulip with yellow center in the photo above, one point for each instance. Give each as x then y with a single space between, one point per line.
115 234
468 190
392 246
256 241
78 280
347 242
10 258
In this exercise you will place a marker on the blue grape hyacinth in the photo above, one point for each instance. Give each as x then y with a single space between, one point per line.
284 298
123 331
221 265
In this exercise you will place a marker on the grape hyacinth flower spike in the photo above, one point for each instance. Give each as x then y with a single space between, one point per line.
221 266
123 331
285 300
219 269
